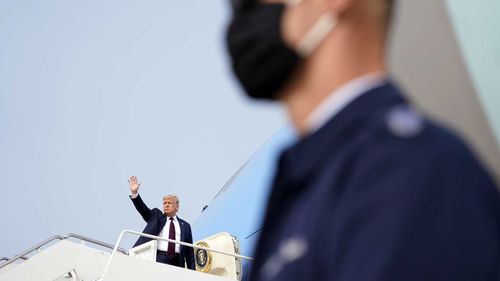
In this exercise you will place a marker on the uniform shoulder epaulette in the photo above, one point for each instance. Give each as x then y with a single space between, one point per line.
404 121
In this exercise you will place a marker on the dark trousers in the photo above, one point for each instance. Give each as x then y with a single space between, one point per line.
163 257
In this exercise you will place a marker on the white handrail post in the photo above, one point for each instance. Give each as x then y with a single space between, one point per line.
112 253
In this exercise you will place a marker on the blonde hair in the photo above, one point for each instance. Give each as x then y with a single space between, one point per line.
171 196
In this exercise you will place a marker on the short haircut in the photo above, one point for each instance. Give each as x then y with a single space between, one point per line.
171 196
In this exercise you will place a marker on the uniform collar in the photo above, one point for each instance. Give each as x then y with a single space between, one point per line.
341 97
297 163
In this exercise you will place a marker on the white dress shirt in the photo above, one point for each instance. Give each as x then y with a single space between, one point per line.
340 98
163 245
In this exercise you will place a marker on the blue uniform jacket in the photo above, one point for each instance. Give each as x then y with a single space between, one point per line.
156 221
380 193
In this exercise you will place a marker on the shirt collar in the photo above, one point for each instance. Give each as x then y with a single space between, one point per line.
340 98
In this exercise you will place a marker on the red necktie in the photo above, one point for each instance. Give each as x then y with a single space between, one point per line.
171 235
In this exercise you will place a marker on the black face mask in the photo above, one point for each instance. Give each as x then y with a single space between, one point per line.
260 58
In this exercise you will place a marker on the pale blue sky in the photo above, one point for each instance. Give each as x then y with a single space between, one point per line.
94 91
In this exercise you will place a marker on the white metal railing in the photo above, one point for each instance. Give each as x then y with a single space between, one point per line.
168 240
93 241
37 247
34 248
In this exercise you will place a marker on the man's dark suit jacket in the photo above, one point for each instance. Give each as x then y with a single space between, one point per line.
156 221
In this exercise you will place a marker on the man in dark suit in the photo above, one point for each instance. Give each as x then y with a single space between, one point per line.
372 190
165 224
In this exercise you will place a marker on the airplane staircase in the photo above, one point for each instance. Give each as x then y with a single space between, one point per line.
58 258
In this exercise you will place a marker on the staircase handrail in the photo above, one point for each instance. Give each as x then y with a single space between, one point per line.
94 241
168 240
34 248
59 237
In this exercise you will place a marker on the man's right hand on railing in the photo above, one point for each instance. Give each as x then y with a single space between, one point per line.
134 185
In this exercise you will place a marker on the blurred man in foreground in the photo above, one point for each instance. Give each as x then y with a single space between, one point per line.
373 190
